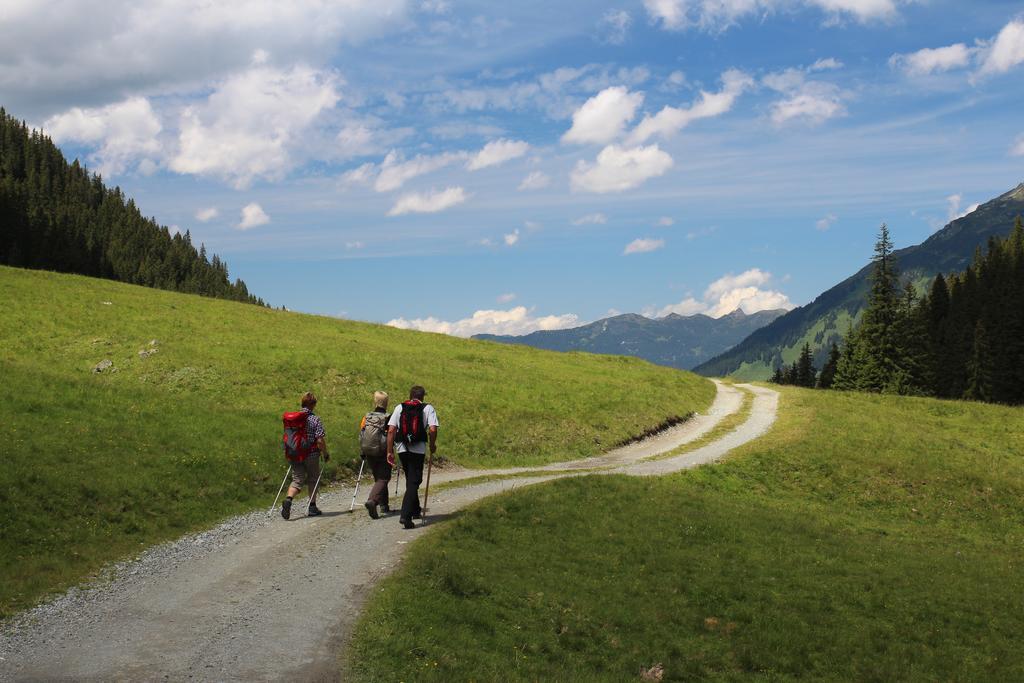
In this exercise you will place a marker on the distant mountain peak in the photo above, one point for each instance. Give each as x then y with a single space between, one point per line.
674 340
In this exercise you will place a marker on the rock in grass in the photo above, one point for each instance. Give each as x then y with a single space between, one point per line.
103 365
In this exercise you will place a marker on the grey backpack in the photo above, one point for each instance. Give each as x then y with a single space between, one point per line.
373 436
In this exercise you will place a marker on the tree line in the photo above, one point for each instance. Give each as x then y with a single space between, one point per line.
963 339
58 216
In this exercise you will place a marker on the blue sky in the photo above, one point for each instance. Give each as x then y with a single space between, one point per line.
469 167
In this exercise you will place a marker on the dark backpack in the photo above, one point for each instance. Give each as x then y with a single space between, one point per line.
297 445
412 427
373 436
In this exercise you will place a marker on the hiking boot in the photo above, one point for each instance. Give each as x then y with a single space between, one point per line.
372 509
417 515
407 523
313 511
286 508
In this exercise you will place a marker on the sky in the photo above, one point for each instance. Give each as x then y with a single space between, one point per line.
463 166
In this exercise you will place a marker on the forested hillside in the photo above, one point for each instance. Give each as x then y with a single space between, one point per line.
826 319
57 216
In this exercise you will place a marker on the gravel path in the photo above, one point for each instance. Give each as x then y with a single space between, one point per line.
258 598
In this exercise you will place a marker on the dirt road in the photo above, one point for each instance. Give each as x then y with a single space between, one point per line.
259 598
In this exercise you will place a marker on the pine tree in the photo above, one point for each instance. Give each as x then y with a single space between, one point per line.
828 371
912 358
805 370
877 340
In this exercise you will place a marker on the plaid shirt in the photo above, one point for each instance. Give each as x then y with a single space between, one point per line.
314 428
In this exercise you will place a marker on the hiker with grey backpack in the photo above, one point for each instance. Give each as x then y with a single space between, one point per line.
373 433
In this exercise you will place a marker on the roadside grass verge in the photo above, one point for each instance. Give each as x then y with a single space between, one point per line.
864 538
99 466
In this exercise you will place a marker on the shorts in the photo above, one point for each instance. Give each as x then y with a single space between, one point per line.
306 471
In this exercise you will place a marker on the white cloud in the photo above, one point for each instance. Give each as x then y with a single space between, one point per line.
362 175
745 291
517 320
602 117
826 64
643 245
670 120
428 202
252 216
254 124
125 132
676 79
395 171
536 180
591 219
813 102
826 222
931 60
953 207
497 152
55 53
1018 146
208 214
812 107
665 221
507 298
719 15
615 26
687 307
618 169
1006 50
512 238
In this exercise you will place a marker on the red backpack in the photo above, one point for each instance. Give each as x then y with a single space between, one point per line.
412 426
297 446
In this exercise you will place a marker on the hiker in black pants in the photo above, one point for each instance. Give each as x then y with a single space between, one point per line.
412 426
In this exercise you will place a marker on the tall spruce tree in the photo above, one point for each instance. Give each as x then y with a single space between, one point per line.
806 373
828 371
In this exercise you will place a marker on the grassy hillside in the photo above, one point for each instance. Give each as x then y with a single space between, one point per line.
97 466
864 538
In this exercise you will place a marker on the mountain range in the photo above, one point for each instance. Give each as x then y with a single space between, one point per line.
676 341
827 318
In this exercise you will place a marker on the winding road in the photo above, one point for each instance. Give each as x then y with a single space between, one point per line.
260 599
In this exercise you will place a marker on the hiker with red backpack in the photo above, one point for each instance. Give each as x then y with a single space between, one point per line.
373 436
411 428
304 441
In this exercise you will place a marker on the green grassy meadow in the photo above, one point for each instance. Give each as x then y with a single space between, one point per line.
864 538
98 466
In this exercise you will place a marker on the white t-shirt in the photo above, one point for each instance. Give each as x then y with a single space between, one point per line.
429 416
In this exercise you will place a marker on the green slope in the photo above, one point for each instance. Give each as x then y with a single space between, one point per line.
96 466
825 319
865 538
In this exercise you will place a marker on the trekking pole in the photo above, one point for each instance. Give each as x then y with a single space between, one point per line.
398 476
358 479
312 495
426 492
279 490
